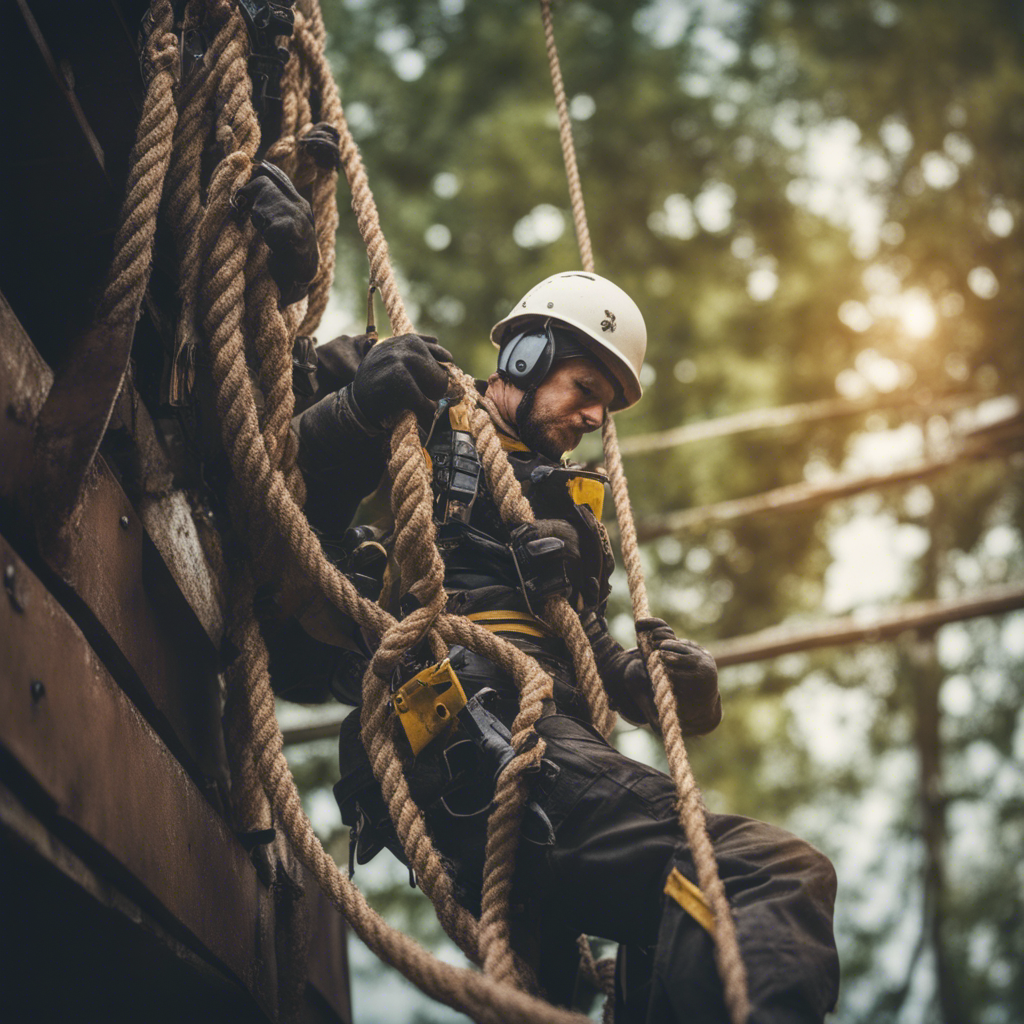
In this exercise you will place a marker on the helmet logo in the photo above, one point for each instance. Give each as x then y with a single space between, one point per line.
609 324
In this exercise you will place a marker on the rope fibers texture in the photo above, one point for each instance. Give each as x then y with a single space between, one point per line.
689 803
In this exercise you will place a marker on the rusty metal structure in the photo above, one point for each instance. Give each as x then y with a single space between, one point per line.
125 892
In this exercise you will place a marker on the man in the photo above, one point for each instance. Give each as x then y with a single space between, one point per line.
601 839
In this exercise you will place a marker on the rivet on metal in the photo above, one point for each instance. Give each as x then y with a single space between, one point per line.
14 592
551 305
124 522
37 690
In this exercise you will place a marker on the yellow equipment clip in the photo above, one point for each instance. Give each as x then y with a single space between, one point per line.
428 704
585 490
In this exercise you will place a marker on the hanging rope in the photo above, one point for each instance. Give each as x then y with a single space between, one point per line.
690 804
77 410
230 309
227 292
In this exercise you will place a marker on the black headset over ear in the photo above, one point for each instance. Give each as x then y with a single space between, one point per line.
527 358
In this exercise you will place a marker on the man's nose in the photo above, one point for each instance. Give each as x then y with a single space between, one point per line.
592 416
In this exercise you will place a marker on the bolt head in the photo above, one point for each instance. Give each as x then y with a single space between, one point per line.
37 690
124 522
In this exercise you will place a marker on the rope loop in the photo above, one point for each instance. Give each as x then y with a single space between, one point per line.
230 304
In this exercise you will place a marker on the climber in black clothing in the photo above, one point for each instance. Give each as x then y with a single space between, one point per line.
603 853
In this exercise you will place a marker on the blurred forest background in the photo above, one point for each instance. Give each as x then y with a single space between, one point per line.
808 201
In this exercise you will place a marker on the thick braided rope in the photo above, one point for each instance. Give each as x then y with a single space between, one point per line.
689 803
418 559
307 69
150 156
242 438
247 448
231 107
232 173
368 222
510 793
572 173
515 510
223 321
506 819
465 990
600 974
273 339
416 554
195 121
310 37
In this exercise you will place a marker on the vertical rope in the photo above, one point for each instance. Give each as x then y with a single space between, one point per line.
689 804
150 156
261 460
579 212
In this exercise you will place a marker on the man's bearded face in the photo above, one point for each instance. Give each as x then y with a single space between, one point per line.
571 401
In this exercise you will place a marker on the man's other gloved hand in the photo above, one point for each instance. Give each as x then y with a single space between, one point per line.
691 671
547 552
285 221
321 142
398 375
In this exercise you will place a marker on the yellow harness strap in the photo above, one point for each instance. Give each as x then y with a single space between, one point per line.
513 622
511 444
691 899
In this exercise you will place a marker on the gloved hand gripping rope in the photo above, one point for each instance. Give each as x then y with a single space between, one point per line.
263 460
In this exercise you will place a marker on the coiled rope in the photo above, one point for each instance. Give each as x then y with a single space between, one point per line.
689 803
225 264
230 303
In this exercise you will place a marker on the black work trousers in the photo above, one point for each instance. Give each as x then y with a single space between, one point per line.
617 837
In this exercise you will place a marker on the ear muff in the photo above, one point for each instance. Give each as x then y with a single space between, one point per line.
527 358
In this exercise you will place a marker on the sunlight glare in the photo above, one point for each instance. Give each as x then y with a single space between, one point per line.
917 314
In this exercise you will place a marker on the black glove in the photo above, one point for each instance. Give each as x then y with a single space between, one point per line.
321 142
623 673
285 220
693 674
547 553
398 375
691 671
338 361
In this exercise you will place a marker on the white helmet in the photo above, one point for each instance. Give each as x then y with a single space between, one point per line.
603 314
